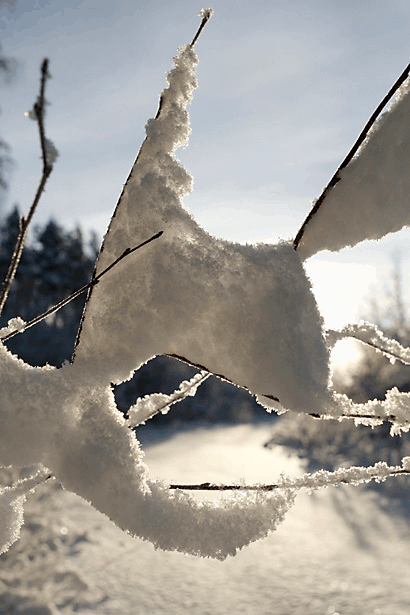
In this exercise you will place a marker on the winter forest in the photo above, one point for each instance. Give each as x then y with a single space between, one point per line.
168 398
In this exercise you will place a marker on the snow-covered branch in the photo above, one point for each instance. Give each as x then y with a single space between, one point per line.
150 405
313 482
11 506
367 197
355 148
206 15
369 334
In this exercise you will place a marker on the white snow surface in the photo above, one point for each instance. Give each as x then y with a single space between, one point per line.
371 198
340 551
246 313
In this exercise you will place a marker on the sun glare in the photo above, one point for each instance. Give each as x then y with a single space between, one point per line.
341 290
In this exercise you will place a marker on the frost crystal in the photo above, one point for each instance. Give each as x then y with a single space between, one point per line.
406 463
11 509
14 324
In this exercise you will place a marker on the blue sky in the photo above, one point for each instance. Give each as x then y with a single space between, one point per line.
284 89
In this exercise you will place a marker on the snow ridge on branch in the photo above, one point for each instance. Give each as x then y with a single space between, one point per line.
150 405
370 334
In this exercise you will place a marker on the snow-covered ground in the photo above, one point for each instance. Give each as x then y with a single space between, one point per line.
339 551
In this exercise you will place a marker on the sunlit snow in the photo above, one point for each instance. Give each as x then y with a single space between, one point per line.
339 548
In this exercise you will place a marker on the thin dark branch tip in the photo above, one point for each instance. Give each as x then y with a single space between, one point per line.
206 15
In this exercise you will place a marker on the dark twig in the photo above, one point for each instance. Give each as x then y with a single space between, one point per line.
221 376
78 292
335 179
126 252
389 417
206 16
38 115
213 487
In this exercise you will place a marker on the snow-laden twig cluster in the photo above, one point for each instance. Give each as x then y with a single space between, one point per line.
244 313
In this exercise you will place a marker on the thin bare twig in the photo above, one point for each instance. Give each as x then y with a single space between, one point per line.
38 114
361 138
78 292
315 415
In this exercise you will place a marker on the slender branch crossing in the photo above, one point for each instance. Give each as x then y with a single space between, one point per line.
81 290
